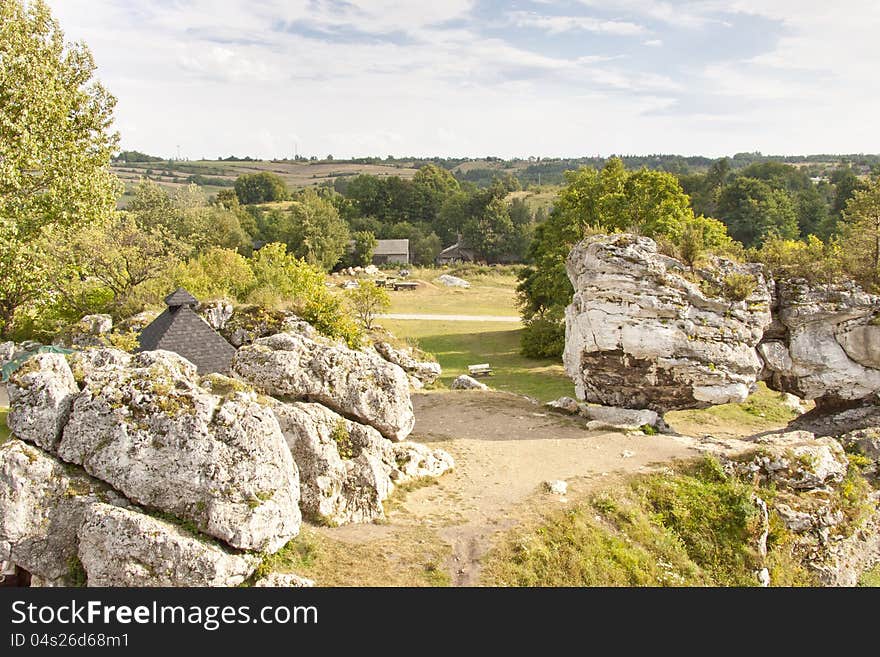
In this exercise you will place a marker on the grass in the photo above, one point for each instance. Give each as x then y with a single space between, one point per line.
696 527
4 430
871 577
490 294
412 556
762 411
459 344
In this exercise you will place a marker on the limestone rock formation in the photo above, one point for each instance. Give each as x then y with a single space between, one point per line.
42 504
356 384
155 435
452 281
121 547
41 393
216 313
465 382
348 469
343 465
643 331
798 460
283 580
424 371
415 461
7 352
829 348
619 419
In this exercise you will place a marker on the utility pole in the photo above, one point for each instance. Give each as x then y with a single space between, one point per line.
178 152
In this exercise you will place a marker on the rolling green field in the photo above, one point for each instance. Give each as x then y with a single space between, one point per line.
459 344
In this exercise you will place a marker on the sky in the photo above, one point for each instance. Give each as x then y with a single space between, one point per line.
473 78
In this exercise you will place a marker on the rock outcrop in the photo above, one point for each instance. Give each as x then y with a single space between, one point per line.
154 434
120 547
644 331
216 313
359 385
827 346
41 393
42 504
348 469
465 382
798 460
425 372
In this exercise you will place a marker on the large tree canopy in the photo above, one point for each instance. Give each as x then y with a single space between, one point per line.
55 137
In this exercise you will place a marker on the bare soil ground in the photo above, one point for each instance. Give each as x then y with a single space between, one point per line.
505 448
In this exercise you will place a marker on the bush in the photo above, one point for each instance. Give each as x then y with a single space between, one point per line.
543 338
739 287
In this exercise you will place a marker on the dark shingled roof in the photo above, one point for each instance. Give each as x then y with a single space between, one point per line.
181 330
180 297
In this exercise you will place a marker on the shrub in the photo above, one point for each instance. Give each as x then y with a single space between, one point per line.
543 338
739 287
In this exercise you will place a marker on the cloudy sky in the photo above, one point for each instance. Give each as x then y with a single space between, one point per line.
485 77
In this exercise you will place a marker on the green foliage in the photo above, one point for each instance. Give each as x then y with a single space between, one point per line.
215 274
860 235
811 259
342 438
55 139
739 287
282 281
542 338
4 430
755 211
22 275
263 187
697 527
364 245
367 302
76 574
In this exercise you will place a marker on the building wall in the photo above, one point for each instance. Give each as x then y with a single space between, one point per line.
385 258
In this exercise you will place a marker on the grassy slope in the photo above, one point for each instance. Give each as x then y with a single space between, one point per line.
488 296
694 527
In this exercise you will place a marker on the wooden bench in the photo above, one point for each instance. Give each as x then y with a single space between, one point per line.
482 369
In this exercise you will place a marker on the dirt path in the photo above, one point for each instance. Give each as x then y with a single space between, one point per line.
505 448
454 318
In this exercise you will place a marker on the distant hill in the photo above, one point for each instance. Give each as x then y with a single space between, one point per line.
214 175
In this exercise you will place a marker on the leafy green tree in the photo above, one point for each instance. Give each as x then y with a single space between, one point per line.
317 233
22 275
217 273
263 187
55 138
364 245
845 183
753 211
860 235
368 302
108 259
283 281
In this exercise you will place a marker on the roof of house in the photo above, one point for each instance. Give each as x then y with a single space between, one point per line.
391 247
455 249
181 330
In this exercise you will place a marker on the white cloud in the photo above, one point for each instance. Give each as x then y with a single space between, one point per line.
558 24
391 76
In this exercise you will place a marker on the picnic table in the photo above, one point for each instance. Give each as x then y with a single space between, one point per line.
405 285
481 369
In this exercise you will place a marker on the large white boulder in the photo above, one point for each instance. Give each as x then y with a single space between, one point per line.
153 433
424 371
359 385
348 469
830 347
642 331
41 393
123 547
42 503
